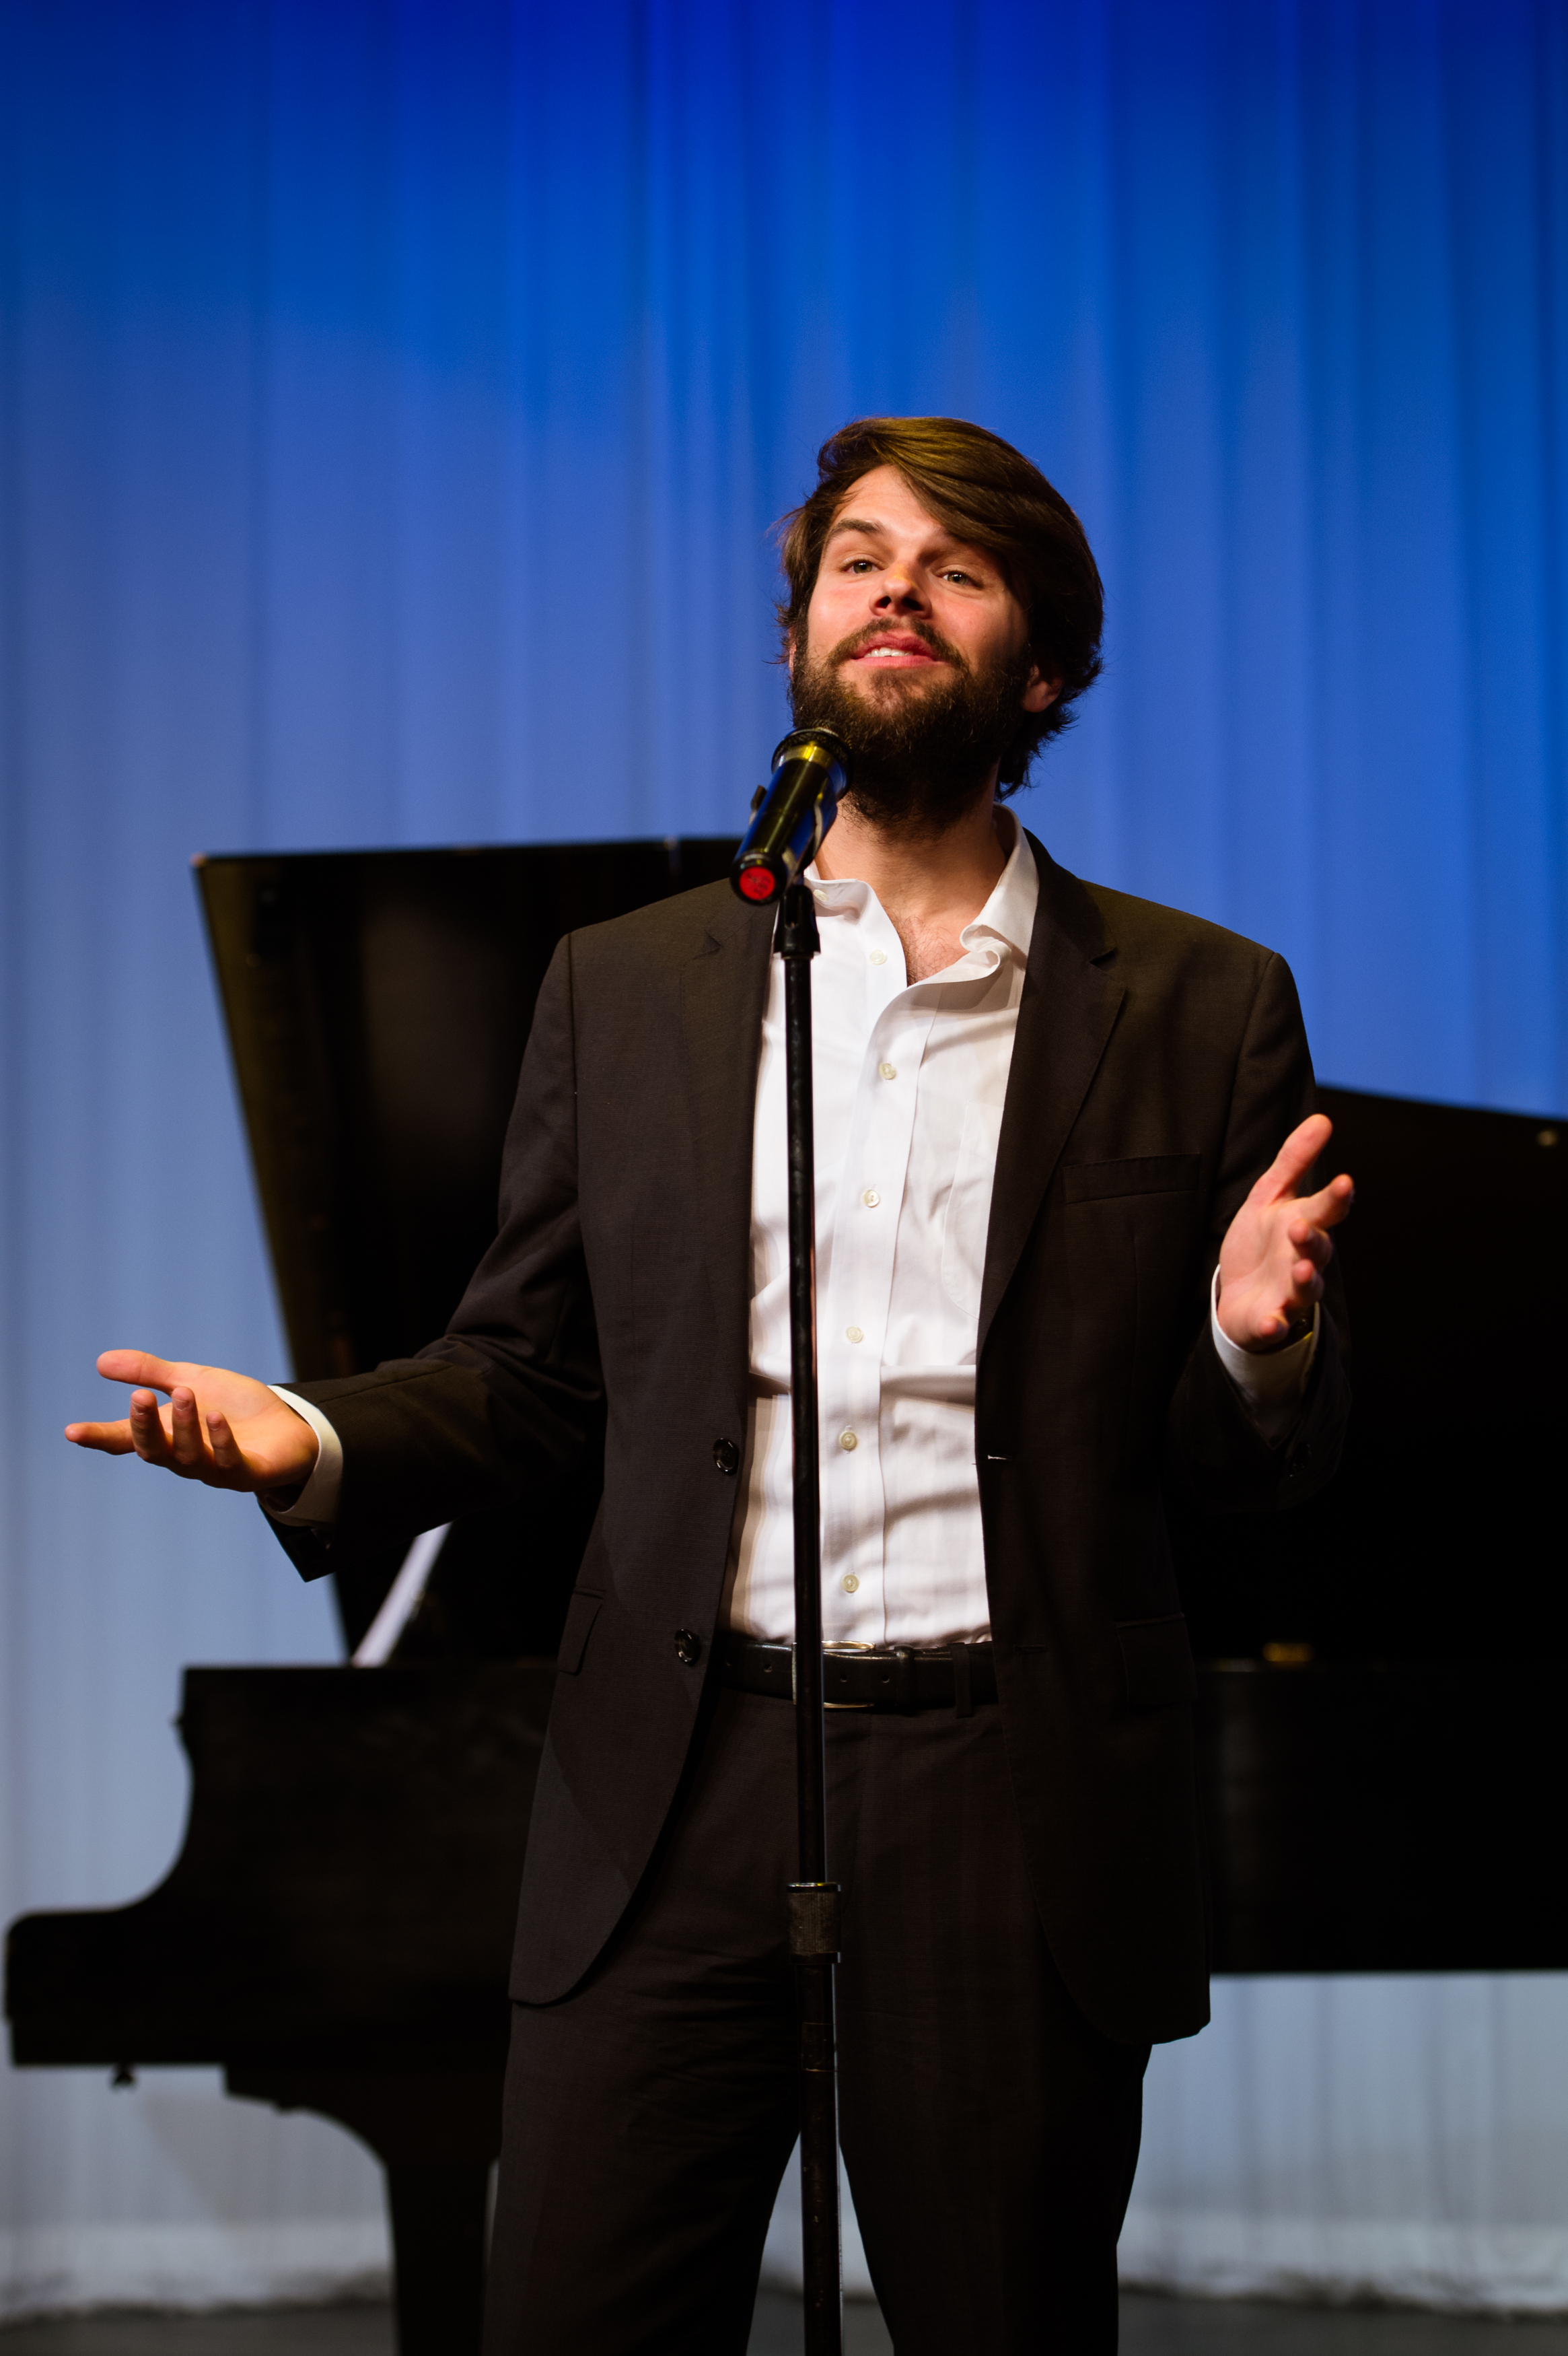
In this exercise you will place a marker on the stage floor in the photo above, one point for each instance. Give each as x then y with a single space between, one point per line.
1147 2328
1150 2326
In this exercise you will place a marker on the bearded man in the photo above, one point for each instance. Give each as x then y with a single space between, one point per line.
1062 1263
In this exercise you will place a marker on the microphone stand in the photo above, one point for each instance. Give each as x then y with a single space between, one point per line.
813 1900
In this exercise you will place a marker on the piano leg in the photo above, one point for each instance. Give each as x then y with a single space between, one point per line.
436 2134
438 2217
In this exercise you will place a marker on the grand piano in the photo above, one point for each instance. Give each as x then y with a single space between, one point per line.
1379 1717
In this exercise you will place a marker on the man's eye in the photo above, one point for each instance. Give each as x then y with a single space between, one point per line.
858 564
952 574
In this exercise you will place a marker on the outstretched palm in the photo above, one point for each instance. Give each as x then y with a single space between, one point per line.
1278 1245
219 1428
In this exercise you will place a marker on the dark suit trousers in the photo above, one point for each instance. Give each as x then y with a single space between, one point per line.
989 2133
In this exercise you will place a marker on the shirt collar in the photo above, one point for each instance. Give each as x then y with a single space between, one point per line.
1008 916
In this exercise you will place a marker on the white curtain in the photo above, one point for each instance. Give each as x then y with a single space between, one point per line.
1398 2139
1375 2140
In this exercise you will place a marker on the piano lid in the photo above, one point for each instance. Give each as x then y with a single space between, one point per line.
377 1005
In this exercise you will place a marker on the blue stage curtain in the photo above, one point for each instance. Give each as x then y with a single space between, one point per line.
395 396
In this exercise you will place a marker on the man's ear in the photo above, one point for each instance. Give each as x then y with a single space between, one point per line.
1040 693
789 653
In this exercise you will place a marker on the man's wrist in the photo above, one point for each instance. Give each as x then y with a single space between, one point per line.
314 1502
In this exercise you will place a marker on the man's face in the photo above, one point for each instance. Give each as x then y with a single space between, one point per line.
917 648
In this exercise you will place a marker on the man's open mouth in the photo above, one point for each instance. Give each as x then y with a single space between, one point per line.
895 652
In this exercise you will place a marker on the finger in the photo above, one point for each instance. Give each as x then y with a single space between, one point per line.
1297 1304
147 1434
187 1443
1301 1287
1331 1204
1295 1158
1306 1284
227 1453
112 1438
139 1367
1314 1243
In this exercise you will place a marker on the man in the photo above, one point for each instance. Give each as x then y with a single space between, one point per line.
1061 1262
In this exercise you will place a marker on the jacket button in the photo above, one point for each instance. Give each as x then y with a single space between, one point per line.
726 1457
687 1646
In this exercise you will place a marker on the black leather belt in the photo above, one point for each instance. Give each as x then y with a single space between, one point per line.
945 1677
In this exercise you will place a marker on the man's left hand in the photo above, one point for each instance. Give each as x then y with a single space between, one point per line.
1278 1245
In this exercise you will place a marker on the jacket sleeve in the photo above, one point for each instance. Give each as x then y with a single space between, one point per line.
1214 1450
511 1394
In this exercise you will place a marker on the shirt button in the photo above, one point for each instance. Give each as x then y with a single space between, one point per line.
847 1440
878 956
871 1198
888 1071
850 1583
853 1333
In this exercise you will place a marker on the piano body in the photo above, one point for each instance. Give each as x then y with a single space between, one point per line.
1383 1746
335 1932
1379 1742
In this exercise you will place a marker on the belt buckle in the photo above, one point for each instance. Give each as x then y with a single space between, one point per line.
847 1647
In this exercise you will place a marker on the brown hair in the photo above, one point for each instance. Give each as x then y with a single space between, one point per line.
989 493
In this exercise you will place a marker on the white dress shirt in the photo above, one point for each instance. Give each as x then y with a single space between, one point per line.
910 1080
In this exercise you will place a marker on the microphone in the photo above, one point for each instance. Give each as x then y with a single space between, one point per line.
792 812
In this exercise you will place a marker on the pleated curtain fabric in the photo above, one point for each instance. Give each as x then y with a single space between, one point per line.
394 402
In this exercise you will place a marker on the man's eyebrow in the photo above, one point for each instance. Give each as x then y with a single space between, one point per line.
873 530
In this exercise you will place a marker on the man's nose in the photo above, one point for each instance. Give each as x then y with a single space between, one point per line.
900 591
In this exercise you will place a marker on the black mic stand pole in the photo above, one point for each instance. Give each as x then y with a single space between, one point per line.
813 1900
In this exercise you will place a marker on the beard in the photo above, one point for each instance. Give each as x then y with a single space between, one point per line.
925 748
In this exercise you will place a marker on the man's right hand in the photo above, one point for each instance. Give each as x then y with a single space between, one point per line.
220 1428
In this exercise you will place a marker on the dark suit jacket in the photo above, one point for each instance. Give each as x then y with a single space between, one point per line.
1158 1064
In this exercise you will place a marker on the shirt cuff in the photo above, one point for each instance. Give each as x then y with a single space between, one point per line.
316 1508
1272 1382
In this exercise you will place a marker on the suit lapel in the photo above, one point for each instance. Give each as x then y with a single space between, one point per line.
723 992
1066 1015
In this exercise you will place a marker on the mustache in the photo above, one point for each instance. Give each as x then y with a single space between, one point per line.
921 757
868 636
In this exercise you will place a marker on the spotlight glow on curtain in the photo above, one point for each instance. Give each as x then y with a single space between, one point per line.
394 399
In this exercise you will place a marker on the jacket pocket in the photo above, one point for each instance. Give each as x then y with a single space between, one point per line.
580 1614
1157 1659
1147 1173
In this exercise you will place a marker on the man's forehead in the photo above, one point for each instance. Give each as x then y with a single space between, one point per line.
875 527
862 524
883 502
